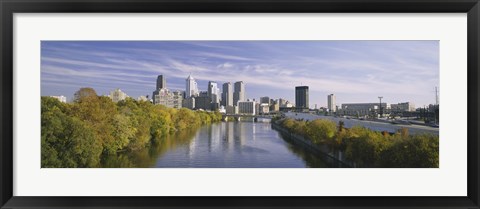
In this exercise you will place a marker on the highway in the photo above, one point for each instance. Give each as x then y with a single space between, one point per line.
373 125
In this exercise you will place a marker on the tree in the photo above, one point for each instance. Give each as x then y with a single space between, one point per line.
66 141
84 94
321 131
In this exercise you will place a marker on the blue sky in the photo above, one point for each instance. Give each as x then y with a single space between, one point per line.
355 71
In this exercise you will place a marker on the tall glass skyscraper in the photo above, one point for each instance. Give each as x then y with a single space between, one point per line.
301 97
161 82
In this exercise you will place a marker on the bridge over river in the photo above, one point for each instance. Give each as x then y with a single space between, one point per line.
238 117
373 125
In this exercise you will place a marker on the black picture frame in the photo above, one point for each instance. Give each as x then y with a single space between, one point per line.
9 7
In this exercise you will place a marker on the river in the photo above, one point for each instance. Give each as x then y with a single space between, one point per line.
224 145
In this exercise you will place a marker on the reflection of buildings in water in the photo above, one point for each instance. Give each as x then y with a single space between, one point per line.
191 146
228 135
239 133
254 131
216 136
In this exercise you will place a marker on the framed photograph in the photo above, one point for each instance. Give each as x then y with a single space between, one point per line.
239 104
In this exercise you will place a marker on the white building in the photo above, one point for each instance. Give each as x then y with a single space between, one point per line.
331 103
213 92
60 98
117 95
246 107
191 87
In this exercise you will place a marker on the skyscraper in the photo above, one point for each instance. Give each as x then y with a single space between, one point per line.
301 97
238 92
161 82
331 103
191 89
212 91
227 94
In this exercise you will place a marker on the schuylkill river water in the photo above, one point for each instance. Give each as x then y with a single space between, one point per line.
224 145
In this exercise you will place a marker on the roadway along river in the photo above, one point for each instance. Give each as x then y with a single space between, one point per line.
237 145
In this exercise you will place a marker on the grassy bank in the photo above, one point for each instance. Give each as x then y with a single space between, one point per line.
367 148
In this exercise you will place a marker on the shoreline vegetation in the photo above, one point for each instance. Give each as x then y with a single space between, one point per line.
82 133
93 131
367 148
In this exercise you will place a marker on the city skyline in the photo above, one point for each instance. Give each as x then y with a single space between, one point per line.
401 71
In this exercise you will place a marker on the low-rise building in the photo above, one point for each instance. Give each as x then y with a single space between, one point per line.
246 107
363 109
403 107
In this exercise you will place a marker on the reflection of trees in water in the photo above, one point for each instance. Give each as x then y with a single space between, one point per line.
147 157
313 159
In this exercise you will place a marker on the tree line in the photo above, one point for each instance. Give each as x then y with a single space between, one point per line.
367 148
78 134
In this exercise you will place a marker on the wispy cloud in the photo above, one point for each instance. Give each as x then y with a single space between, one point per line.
399 70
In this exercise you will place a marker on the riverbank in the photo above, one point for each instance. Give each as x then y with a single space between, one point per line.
334 157
362 147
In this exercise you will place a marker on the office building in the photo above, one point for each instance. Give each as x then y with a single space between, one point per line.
189 103
191 88
363 109
161 82
213 91
172 99
163 96
331 103
203 102
403 107
246 107
238 92
227 94
301 98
